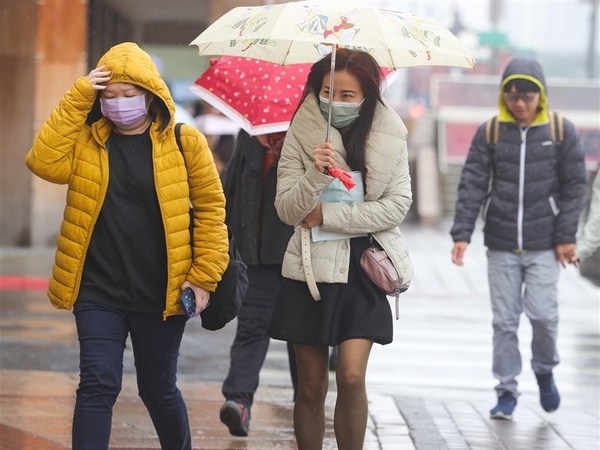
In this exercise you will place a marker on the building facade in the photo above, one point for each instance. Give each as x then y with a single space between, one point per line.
44 47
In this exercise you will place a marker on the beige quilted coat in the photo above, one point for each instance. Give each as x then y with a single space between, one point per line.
387 200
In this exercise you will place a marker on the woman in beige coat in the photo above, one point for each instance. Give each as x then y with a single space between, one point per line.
588 236
325 298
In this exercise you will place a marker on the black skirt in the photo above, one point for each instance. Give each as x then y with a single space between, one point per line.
356 310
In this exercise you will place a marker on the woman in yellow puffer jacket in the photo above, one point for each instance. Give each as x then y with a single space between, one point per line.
124 254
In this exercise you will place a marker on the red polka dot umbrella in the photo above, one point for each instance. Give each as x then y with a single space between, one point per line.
259 96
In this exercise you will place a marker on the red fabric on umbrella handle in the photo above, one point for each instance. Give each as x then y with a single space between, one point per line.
343 176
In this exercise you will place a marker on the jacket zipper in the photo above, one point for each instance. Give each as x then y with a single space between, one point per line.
520 212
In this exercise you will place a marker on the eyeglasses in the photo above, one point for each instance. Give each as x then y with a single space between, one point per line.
514 98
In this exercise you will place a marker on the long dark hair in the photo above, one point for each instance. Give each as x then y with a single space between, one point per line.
368 73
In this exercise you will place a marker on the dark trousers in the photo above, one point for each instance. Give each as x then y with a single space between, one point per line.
102 333
251 341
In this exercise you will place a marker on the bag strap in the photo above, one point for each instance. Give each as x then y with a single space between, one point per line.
178 139
557 129
492 130
307 264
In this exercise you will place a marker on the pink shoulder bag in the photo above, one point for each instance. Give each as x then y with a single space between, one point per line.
378 266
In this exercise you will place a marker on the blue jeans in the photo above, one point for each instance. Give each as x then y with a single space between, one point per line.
102 333
525 282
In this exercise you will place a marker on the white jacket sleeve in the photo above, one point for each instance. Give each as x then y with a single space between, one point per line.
588 239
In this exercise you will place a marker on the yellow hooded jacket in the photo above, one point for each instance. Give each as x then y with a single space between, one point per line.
70 148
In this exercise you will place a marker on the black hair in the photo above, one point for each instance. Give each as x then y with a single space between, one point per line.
368 73
521 85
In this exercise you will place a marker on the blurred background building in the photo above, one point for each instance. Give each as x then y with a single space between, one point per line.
46 45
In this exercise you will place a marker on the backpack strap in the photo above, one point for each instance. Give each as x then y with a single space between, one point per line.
178 138
557 128
492 129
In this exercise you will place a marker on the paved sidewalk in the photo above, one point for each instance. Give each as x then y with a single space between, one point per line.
464 425
37 408
431 389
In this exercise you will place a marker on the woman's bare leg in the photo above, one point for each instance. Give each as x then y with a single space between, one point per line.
313 382
351 407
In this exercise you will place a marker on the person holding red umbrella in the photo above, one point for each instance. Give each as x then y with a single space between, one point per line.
325 298
249 183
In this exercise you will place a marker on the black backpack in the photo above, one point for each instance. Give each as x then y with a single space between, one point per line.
226 301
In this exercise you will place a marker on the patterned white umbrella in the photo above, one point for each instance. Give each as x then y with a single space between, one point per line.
305 31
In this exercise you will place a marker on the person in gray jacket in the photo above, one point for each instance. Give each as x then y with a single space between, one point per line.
531 189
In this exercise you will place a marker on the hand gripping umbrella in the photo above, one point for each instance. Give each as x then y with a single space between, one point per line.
305 31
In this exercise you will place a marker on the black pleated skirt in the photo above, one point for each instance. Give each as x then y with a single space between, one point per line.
354 310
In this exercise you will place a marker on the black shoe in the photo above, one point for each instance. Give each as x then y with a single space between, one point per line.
549 396
236 416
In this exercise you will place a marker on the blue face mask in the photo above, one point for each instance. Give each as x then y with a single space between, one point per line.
343 114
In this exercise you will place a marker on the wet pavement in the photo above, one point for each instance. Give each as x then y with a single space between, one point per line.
431 389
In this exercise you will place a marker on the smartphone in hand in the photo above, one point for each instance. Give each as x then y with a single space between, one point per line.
188 301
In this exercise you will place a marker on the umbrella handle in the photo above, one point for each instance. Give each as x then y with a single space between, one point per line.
331 78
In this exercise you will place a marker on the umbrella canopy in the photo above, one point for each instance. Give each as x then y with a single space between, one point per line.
259 96
304 31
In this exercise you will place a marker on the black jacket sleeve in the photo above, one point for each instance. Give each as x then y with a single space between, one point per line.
473 187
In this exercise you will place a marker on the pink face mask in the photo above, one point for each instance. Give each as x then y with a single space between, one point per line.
125 112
